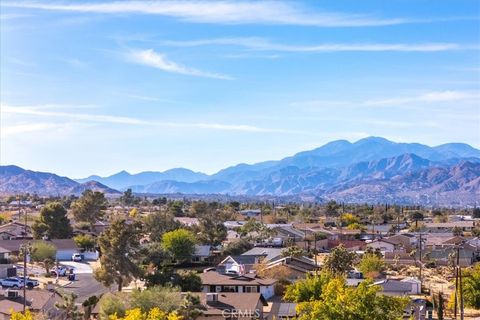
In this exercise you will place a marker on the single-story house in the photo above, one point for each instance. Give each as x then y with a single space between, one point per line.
288 232
251 212
15 230
202 253
383 245
445 226
213 281
229 305
269 254
239 264
350 245
406 241
299 266
39 301
187 221
391 287
65 247
100 226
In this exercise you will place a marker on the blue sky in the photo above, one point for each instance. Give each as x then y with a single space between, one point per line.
97 87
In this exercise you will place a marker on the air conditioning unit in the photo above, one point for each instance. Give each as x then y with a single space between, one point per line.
11 294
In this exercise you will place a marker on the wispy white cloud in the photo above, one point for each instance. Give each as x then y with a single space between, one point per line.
143 98
11 16
160 61
429 97
425 98
19 129
262 44
99 118
227 12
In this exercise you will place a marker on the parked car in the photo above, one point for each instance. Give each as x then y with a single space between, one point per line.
61 271
12 282
31 283
77 257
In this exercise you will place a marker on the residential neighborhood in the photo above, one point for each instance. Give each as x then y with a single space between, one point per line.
239 159
220 260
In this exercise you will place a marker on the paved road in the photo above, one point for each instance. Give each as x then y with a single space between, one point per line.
78 267
85 286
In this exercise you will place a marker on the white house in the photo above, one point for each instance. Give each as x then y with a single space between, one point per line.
382 244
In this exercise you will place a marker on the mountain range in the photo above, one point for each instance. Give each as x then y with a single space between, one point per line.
370 170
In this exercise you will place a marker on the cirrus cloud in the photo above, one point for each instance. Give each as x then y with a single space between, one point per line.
160 61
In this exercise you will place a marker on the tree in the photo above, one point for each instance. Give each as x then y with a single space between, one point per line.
416 216
293 251
127 199
440 306
256 230
332 208
52 222
476 213
133 213
237 247
88 306
471 286
457 231
211 230
119 246
175 208
89 207
348 219
164 298
191 307
68 307
189 281
43 252
20 316
157 223
309 289
153 314
180 244
337 301
340 260
371 264
279 272
84 241
111 304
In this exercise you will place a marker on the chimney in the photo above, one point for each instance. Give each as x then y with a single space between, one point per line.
212 297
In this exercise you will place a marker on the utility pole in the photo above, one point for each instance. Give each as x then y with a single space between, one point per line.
458 287
461 293
25 252
421 263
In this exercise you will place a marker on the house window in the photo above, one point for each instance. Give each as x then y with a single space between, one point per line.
253 289
229 289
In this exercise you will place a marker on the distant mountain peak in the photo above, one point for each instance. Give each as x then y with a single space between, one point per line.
373 139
